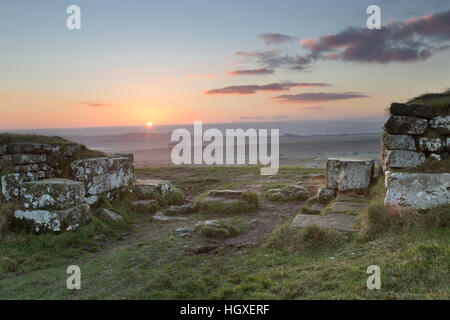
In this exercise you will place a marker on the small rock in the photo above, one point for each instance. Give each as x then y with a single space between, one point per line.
109 215
326 194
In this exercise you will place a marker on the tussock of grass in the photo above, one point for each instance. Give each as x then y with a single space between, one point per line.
221 230
381 219
247 203
287 238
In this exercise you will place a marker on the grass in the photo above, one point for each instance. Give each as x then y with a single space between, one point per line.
291 264
6 138
433 99
219 230
23 252
291 240
6 214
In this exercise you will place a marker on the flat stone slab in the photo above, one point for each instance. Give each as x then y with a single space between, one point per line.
417 190
101 175
346 175
54 220
51 193
337 221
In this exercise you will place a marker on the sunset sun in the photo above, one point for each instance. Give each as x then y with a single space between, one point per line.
149 124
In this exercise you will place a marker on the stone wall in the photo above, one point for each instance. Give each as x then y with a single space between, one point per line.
413 134
53 189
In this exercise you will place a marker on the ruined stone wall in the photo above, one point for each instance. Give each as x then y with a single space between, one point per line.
55 191
413 134
414 137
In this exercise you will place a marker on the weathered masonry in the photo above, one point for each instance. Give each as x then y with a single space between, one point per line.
416 140
55 184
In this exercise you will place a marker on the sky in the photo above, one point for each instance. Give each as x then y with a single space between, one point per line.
166 62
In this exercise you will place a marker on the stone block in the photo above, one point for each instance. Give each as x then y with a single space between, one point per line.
414 110
406 125
20 159
417 190
431 144
23 148
51 193
102 175
54 220
441 124
346 175
403 159
399 142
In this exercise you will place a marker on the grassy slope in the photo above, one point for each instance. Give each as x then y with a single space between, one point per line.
31 138
433 99
414 263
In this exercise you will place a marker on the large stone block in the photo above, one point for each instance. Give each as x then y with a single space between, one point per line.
102 175
51 193
20 159
432 144
346 175
399 142
406 125
403 159
54 220
417 190
147 188
415 110
441 125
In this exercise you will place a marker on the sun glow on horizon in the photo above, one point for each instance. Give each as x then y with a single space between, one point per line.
149 124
